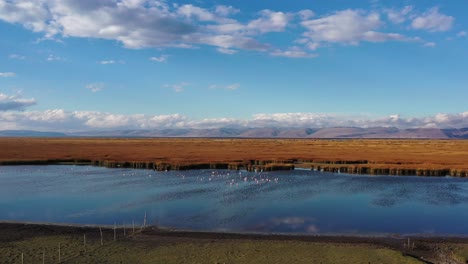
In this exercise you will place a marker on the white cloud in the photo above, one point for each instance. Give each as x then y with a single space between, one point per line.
462 34
430 44
229 41
225 11
234 86
16 57
270 21
140 23
226 51
52 57
105 62
348 27
230 87
7 74
31 14
178 87
313 45
433 21
306 14
293 52
320 120
399 16
14 102
95 87
61 120
197 12
162 58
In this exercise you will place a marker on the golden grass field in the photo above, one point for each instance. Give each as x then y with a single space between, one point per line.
407 154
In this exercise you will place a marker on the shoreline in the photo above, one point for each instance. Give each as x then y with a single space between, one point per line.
347 167
168 231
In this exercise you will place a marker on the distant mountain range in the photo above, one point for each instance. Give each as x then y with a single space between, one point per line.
30 133
336 132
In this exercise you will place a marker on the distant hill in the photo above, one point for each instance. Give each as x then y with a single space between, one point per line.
335 132
30 133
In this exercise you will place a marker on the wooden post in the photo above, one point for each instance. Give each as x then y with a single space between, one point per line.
124 228
59 254
409 243
115 235
100 231
133 223
84 242
144 220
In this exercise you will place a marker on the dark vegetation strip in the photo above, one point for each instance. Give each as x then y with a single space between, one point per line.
350 167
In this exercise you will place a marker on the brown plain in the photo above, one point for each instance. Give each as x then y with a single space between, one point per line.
425 154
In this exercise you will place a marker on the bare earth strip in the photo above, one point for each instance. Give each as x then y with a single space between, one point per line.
396 157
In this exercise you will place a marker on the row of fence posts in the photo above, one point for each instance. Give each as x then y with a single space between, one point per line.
102 239
408 245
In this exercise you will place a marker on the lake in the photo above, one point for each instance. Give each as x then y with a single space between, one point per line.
297 202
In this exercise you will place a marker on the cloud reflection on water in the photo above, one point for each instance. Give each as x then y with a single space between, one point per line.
290 224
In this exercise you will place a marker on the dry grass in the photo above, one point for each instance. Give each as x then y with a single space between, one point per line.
417 154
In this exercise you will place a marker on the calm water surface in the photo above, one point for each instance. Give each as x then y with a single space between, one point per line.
283 202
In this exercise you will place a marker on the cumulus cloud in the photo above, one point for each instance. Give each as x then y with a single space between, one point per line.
14 102
7 74
347 27
399 16
201 14
270 21
305 14
95 87
433 21
162 58
138 24
143 23
458 120
462 34
225 11
62 120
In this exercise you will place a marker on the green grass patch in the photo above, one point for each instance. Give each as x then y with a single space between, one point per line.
176 250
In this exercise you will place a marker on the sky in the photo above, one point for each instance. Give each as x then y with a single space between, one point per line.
68 65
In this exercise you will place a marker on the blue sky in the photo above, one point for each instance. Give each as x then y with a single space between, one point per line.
113 64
